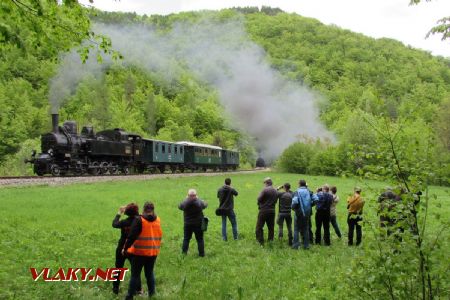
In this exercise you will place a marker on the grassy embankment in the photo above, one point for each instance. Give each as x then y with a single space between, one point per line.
70 226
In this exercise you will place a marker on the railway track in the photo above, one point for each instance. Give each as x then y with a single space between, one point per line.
50 180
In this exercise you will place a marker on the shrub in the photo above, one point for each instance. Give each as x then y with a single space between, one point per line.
296 158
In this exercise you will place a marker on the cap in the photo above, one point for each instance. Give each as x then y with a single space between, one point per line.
358 189
267 179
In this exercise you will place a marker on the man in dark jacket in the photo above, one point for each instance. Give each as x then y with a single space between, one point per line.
192 208
323 204
132 211
284 211
391 216
267 200
226 202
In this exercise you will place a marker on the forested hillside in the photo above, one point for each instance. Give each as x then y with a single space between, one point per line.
364 86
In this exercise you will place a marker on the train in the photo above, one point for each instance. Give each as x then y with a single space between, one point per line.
64 152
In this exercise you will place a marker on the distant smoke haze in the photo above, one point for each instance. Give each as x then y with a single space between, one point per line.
259 101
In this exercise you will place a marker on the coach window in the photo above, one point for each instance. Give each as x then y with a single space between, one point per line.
175 149
156 147
181 149
163 150
169 148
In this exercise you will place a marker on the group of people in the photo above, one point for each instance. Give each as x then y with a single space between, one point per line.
301 202
141 235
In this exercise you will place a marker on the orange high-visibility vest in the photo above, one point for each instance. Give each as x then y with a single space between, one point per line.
148 242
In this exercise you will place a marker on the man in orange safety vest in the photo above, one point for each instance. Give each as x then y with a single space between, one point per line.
143 245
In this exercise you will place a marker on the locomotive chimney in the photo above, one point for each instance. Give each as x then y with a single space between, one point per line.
55 121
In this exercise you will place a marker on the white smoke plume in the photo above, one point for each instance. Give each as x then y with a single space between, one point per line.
70 72
259 101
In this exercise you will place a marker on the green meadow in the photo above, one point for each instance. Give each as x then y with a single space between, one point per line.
70 227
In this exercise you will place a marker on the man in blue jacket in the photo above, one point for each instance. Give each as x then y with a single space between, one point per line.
301 204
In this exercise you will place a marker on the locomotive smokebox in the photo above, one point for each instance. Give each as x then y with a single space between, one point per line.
260 163
55 122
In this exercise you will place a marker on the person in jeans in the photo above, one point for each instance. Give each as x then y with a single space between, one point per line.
323 204
192 208
355 206
132 211
284 211
266 201
301 204
143 244
333 211
226 202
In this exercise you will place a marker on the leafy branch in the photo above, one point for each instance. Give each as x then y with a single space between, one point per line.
443 26
51 20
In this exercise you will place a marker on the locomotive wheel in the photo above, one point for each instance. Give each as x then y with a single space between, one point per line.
113 169
94 170
56 171
40 172
78 172
104 167
125 170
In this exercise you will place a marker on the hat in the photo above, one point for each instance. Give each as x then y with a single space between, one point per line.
267 179
358 189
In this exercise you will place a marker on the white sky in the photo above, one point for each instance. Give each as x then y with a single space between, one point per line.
376 18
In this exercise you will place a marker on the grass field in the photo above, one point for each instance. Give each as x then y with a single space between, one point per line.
70 226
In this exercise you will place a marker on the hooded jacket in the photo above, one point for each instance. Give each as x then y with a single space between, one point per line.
226 197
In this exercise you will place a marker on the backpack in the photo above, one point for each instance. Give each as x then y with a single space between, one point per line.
324 202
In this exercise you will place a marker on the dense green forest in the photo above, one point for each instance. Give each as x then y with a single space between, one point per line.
368 87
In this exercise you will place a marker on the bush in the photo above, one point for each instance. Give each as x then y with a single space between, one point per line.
296 158
15 165
325 162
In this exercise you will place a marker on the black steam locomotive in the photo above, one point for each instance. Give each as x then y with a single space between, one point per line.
115 151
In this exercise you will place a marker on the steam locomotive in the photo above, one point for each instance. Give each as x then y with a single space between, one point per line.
115 151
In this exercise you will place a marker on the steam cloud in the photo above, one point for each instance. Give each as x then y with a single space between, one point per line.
70 72
269 108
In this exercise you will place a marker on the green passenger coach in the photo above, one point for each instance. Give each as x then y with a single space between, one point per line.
201 156
160 155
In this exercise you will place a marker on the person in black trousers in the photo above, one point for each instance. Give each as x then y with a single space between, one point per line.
132 211
323 205
226 202
284 211
143 245
267 200
192 208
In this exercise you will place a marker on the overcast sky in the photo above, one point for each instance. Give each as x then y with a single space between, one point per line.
376 18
